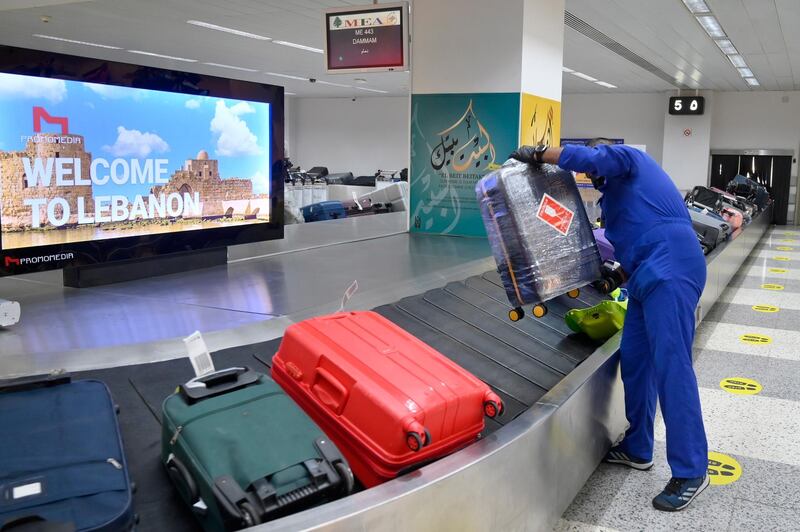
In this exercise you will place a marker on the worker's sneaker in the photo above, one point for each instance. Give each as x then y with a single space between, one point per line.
615 456
679 493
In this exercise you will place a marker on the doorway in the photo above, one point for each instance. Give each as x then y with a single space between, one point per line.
771 168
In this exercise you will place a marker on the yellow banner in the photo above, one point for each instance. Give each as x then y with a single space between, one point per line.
540 121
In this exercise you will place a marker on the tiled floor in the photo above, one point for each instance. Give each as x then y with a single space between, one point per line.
761 432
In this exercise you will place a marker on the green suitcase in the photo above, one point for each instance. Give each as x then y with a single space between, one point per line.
240 452
599 322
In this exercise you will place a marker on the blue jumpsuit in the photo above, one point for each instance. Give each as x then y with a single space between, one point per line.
648 224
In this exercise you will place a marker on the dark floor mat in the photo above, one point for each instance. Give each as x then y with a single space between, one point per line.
587 297
542 346
518 362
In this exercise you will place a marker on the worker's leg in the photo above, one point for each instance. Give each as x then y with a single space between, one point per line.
669 314
638 378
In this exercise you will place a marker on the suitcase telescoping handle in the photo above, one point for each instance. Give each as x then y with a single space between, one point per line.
218 383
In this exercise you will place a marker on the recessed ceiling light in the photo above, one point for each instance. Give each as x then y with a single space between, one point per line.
287 76
697 6
299 46
737 60
371 90
140 52
243 69
711 25
290 94
360 80
332 84
753 82
76 42
726 46
240 33
606 85
583 76
568 70
745 72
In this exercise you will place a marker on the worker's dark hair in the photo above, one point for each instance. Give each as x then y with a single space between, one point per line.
598 141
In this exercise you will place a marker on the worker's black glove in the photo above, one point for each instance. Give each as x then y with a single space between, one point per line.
525 154
613 276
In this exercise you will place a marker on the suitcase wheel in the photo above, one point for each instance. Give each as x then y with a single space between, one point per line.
348 481
492 409
414 441
428 438
250 517
182 478
540 311
516 314
574 293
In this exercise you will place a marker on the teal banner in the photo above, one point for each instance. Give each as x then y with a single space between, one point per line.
455 140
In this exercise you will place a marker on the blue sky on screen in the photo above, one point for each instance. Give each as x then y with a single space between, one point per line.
128 123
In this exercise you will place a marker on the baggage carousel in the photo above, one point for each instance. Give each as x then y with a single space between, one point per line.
563 394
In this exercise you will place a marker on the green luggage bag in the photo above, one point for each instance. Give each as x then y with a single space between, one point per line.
599 322
241 452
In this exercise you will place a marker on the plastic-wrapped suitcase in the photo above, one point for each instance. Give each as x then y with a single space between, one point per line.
731 201
540 235
61 456
741 186
603 245
240 452
711 229
325 210
389 401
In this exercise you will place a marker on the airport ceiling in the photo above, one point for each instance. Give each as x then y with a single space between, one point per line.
647 45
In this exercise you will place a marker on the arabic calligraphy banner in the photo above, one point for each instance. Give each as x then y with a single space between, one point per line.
540 122
455 140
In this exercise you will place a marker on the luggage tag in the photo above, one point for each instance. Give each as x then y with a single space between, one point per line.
352 289
198 354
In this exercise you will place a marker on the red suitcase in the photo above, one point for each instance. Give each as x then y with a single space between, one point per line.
386 399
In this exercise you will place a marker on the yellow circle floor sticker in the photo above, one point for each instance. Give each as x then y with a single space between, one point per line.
778 270
771 286
723 469
782 259
740 386
766 308
755 339
784 248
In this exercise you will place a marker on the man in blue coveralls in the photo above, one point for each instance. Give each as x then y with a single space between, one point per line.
650 229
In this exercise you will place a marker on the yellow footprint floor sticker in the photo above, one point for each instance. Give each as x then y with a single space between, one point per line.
766 308
782 259
778 270
784 248
772 286
723 469
740 386
755 339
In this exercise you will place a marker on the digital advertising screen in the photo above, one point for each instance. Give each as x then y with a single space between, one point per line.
84 162
367 38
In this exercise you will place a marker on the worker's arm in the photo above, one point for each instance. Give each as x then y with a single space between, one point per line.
602 160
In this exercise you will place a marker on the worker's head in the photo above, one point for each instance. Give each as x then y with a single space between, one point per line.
598 181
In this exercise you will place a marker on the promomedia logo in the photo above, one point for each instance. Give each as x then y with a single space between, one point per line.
24 261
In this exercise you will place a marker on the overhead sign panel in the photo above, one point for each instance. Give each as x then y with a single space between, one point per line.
369 38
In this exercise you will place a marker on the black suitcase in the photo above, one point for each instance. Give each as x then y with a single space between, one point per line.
61 457
705 197
318 171
339 179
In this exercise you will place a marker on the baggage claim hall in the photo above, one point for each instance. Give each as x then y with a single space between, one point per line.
429 265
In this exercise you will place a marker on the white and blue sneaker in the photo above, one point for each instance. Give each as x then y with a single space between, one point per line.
615 456
679 493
